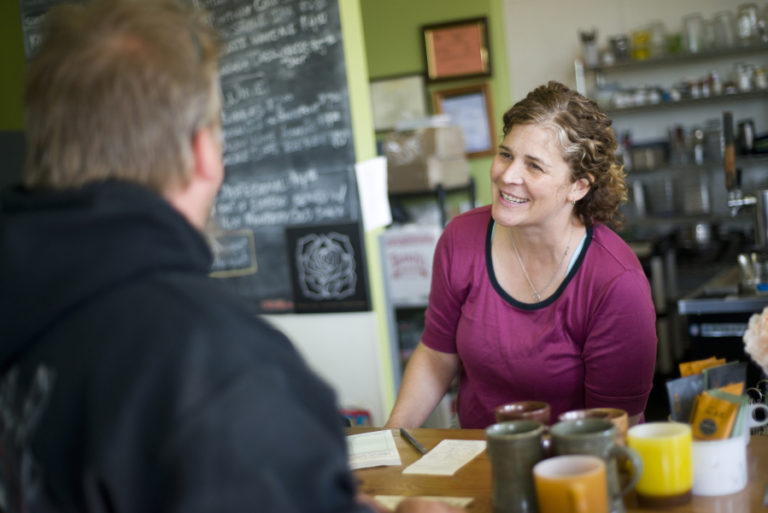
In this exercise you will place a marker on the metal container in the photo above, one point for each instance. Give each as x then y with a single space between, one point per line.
761 218
649 156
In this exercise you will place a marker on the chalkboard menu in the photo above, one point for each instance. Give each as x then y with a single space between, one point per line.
289 152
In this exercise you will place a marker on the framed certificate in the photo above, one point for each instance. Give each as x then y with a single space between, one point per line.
396 99
457 49
470 108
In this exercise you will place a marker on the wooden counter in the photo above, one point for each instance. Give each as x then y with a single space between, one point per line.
474 479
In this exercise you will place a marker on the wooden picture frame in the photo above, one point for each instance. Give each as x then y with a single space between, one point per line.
457 49
396 99
470 108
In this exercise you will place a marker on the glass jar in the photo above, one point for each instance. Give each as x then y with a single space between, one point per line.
589 47
641 45
744 76
620 47
658 35
693 32
746 24
724 29
708 34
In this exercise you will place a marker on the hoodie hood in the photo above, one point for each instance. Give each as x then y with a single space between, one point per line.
62 249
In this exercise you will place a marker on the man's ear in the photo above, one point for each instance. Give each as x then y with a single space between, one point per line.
206 152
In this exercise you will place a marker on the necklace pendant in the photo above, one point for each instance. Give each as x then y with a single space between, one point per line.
537 296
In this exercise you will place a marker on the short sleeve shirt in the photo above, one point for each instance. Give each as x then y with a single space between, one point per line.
591 343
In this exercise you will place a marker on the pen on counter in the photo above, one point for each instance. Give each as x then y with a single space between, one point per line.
405 434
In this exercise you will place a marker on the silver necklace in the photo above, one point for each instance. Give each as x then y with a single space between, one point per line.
536 293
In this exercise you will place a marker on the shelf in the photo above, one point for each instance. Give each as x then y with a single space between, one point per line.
684 220
427 192
743 161
682 58
439 193
687 103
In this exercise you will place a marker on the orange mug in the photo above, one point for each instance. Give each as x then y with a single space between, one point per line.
571 484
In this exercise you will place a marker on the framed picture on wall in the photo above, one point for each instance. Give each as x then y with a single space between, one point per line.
470 108
398 98
457 49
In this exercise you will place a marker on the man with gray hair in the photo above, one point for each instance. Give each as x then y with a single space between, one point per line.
129 380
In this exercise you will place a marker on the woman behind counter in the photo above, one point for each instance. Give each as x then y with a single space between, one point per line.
533 297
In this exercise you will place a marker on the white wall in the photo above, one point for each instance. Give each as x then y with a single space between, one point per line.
543 41
342 349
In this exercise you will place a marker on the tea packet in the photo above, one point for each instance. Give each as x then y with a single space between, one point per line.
713 418
698 366
729 373
742 401
681 393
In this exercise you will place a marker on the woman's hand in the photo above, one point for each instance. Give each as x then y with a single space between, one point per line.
410 505
415 505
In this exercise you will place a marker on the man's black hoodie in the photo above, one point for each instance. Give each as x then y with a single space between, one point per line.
132 382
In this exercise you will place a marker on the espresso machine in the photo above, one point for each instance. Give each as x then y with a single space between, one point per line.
754 265
718 312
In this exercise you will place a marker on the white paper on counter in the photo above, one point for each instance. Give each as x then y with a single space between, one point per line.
391 501
372 189
372 449
446 457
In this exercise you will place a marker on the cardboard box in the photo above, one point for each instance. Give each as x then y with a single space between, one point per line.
408 252
409 146
419 160
427 174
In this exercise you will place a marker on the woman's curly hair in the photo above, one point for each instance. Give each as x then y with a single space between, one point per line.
588 144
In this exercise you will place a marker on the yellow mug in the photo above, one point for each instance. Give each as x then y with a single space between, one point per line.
574 483
665 448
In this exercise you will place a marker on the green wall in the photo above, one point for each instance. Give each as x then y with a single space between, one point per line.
12 62
393 42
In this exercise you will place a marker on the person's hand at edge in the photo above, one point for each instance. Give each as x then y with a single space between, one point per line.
416 505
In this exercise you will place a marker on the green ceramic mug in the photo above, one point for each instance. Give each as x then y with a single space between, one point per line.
598 437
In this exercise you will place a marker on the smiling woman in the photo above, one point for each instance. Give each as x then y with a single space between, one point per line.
534 297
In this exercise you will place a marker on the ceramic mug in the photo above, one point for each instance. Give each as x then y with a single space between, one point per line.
597 437
665 448
513 449
619 417
528 410
571 484
719 466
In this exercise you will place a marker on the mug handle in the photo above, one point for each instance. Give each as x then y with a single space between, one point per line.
620 453
752 422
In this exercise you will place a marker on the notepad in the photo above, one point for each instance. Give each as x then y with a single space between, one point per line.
391 501
446 458
373 449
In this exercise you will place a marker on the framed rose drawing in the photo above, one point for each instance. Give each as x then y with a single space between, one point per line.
327 268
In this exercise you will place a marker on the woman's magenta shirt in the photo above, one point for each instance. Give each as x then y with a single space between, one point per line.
592 343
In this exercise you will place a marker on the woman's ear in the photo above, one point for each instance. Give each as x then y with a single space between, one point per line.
579 189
